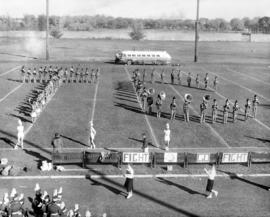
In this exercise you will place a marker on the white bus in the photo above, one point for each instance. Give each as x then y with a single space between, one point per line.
142 57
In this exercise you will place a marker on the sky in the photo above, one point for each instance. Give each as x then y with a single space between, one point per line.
169 9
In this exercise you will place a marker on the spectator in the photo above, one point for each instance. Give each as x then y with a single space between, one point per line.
129 180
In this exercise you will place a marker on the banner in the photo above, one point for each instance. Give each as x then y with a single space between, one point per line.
235 157
170 157
135 157
203 157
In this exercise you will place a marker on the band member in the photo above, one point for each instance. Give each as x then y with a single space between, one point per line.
129 175
45 74
255 103
15 208
34 75
57 143
144 143
210 181
247 109
144 95
203 107
53 210
189 79
197 80
77 73
65 76
92 75
23 74
162 76
158 105
167 136
152 76
143 75
92 135
81 76
214 111
235 108
86 74
206 81
179 77
20 135
186 110
173 107
71 72
226 109
38 202
29 75
97 74
150 102
215 82
172 76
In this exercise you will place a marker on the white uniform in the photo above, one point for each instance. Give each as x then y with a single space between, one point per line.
167 135
20 130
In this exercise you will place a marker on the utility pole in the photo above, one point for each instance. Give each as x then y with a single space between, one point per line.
196 33
47 30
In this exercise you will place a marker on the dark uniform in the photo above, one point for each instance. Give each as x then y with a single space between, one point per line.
143 75
206 81
23 74
189 79
38 207
150 102
226 109
173 107
186 110
203 107
247 109
53 210
197 81
214 111
236 108
158 105
172 76
57 143
144 95
255 103
162 76
29 75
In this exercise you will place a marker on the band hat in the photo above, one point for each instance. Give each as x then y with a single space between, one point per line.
87 213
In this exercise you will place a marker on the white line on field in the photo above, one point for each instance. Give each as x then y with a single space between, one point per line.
11 70
95 99
12 91
223 97
145 116
239 85
208 125
251 77
151 148
222 175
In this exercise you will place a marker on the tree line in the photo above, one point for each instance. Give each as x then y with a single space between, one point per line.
88 23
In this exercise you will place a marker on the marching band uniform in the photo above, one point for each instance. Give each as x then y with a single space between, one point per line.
29 75
210 181
129 181
186 110
197 81
143 75
145 143
255 103
162 76
189 79
144 95
206 81
150 102
92 135
226 109
235 110
214 111
247 109
179 77
158 105
23 74
20 130
38 202
167 136
152 75
172 76
173 107
40 70
53 210
15 208
34 75
203 107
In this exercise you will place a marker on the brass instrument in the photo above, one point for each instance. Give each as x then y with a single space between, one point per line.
206 98
188 97
162 95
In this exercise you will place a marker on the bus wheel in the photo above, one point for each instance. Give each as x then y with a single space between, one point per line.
129 62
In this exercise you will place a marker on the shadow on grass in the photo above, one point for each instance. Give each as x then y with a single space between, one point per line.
259 139
234 176
74 140
8 141
141 141
184 188
146 196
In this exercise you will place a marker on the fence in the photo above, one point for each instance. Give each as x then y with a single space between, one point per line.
159 158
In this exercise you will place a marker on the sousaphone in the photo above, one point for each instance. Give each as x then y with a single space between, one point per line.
206 98
162 95
188 97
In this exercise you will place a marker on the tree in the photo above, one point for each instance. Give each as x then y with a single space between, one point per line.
137 31
237 24
41 22
264 24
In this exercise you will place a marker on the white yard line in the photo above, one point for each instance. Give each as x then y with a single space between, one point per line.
208 125
12 91
245 75
223 97
221 175
11 70
95 100
239 85
145 116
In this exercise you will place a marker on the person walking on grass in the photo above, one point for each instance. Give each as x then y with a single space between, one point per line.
211 173
247 109
215 82
92 135
206 81
203 107
235 108
226 109
129 175
20 135
167 136
144 143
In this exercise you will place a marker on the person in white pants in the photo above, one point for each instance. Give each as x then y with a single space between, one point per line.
210 182
20 130
92 135
167 136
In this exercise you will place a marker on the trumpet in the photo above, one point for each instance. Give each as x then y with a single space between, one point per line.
188 97
162 95
206 98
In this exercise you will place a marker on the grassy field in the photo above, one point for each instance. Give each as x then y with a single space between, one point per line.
243 70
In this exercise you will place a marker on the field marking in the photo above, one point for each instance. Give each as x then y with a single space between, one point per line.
208 125
95 99
11 70
232 103
239 85
145 116
221 175
151 148
251 77
12 91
